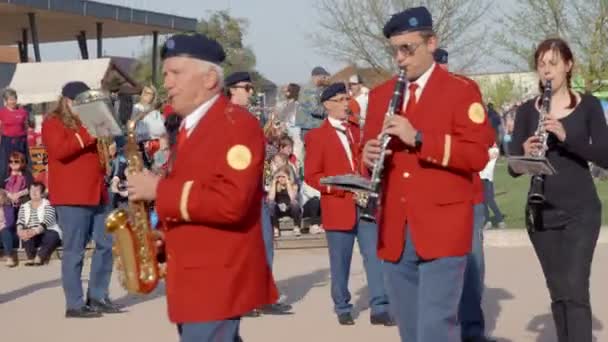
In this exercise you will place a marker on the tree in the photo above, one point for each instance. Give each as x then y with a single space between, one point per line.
351 30
583 23
500 92
229 32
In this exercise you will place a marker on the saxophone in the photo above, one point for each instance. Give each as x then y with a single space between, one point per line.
134 244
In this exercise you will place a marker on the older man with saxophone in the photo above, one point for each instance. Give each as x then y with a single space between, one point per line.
427 213
216 266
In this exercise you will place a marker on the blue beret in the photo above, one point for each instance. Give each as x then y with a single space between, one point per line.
331 91
441 56
319 71
410 20
72 89
194 46
236 77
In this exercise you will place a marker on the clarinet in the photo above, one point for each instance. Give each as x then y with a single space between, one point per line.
536 195
394 107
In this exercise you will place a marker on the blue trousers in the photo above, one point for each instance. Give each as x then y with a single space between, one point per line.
7 239
340 245
267 234
471 315
215 331
424 295
80 224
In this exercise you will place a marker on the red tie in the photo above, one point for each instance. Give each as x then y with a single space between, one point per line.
411 102
181 138
353 147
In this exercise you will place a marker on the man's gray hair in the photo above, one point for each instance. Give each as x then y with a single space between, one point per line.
207 66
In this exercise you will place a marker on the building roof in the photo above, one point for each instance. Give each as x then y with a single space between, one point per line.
370 76
62 20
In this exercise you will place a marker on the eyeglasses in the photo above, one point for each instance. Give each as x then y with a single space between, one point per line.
247 87
406 49
12 161
341 99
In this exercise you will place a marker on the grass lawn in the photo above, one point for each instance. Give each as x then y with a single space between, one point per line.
511 195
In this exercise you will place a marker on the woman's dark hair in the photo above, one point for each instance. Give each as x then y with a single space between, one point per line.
38 185
294 91
560 48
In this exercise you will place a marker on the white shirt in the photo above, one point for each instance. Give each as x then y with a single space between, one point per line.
488 171
362 99
341 132
193 118
421 82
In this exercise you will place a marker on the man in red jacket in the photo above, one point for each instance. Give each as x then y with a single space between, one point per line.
210 207
333 149
426 217
78 191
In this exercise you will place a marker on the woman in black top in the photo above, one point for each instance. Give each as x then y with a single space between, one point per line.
567 228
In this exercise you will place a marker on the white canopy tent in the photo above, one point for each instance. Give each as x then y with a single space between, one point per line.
42 82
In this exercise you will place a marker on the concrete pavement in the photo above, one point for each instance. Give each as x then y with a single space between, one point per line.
516 304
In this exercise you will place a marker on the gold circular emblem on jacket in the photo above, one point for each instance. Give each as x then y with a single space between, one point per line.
239 157
477 113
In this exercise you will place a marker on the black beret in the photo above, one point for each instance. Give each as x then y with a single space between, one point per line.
441 56
72 89
194 46
236 77
331 91
319 71
410 20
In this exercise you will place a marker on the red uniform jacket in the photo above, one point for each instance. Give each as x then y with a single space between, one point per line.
75 176
431 190
325 156
211 205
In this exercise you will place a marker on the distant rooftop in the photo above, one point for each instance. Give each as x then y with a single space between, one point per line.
62 20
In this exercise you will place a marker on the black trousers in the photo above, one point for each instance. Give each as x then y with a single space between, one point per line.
565 256
293 210
48 242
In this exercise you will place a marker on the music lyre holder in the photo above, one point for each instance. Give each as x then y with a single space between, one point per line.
531 165
349 182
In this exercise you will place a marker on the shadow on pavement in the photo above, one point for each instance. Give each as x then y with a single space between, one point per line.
27 290
492 298
362 302
296 288
545 327
129 300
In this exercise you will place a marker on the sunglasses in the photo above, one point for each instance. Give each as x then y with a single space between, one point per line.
247 87
12 161
406 49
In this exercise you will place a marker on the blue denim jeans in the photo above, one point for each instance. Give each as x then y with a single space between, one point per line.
80 224
471 314
215 331
340 244
267 234
7 238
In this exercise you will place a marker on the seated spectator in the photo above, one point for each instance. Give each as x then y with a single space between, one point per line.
283 199
16 185
7 229
286 147
37 227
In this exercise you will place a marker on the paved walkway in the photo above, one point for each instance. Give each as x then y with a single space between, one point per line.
516 304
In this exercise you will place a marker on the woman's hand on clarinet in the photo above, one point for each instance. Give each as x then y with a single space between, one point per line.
532 145
555 126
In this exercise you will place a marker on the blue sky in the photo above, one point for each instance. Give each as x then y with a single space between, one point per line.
277 33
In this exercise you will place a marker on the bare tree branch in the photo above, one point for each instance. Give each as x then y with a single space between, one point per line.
351 30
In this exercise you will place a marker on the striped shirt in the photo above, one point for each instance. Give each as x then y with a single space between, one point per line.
48 220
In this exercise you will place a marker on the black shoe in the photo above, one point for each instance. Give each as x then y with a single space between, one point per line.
30 262
277 309
382 319
346 319
104 306
478 339
84 312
